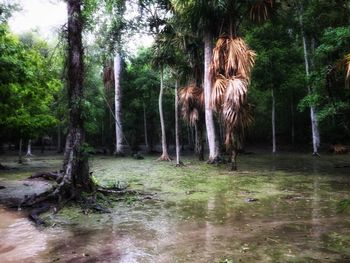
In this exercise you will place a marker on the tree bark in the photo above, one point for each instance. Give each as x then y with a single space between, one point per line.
292 121
209 118
117 101
29 148
313 117
165 156
177 142
145 127
273 120
59 139
76 177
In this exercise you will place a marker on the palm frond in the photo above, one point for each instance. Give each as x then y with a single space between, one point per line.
240 59
235 132
217 66
347 76
191 101
218 93
260 10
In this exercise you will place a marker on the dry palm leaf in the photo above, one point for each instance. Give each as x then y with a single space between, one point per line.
219 57
235 131
347 77
191 100
218 93
240 59
260 10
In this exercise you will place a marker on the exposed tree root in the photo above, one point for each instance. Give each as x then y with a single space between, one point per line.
34 214
180 164
165 157
316 154
56 197
55 176
217 160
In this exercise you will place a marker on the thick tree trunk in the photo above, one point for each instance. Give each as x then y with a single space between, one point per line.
117 101
76 177
273 118
20 151
209 119
177 141
165 155
313 117
29 148
145 127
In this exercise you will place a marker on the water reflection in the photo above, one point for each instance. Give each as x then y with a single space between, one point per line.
293 218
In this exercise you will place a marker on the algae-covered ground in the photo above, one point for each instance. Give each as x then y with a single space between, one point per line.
276 208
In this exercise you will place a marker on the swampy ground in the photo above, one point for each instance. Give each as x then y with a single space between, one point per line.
282 208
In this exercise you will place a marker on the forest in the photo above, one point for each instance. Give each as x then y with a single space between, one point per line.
177 131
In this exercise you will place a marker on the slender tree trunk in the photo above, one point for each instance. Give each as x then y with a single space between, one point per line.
145 127
76 178
313 117
59 139
293 121
273 118
209 119
165 155
177 142
29 148
117 101
20 151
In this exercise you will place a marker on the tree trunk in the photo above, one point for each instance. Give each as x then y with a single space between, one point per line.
145 127
313 117
59 139
165 155
20 151
29 148
273 118
76 177
117 101
293 122
177 142
209 119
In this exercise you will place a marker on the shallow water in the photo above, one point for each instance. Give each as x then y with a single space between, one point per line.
280 208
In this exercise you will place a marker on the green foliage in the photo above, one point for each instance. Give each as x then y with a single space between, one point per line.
27 86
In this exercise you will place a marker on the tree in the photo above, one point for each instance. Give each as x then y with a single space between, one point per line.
27 88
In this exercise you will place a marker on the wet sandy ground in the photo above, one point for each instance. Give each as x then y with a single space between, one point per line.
281 208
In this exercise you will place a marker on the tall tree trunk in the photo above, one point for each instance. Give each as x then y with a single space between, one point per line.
145 127
292 120
117 101
59 139
313 117
273 118
209 119
76 177
20 151
165 156
29 148
177 142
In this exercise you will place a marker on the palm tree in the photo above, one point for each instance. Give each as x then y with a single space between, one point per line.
227 77
191 100
230 70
